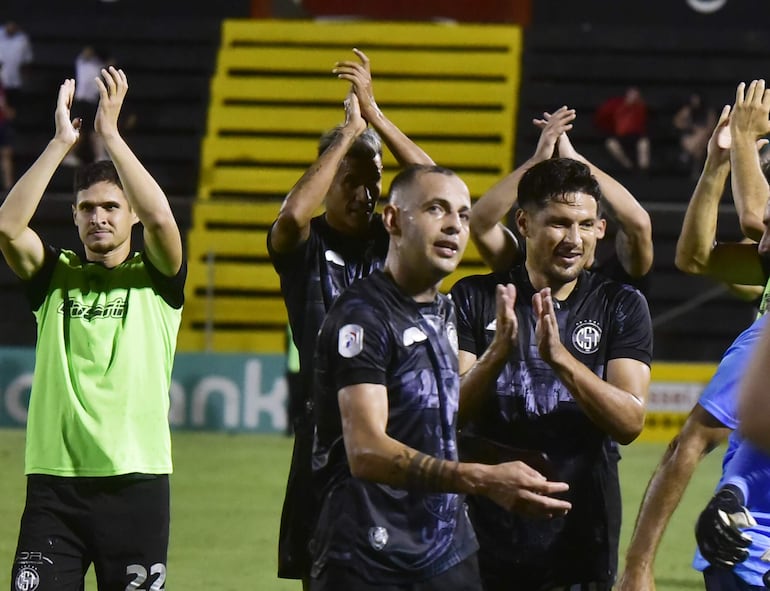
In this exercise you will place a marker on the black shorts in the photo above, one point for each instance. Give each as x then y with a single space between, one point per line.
118 523
299 507
461 577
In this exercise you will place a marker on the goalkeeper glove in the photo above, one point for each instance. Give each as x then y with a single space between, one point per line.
718 529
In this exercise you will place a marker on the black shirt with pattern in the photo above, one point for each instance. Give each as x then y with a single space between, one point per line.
532 411
374 334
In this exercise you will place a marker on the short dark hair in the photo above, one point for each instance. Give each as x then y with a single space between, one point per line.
409 174
95 172
554 179
368 145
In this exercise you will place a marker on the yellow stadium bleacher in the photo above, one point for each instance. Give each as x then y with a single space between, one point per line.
452 88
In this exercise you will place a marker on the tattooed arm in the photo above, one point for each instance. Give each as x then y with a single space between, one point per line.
374 455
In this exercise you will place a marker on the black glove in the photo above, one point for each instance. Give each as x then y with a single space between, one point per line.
718 529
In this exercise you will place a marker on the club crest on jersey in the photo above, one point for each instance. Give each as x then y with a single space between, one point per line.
27 580
413 335
587 336
334 257
350 340
378 537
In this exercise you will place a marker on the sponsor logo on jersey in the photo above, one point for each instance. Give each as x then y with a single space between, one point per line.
334 257
113 309
413 335
350 340
378 537
587 336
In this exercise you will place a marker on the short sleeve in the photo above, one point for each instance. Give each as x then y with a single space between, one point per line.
463 303
286 262
356 343
720 396
36 287
632 327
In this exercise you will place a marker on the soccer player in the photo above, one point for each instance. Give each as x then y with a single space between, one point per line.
98 448
631 258
385 456
733 145
318 257
567 375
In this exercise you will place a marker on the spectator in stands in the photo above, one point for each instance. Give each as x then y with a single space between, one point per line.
694 121
732 145
631 258
90 148
624 120
15 55
318 257
6 141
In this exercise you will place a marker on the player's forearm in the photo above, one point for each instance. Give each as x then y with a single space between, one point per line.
23 199
395 464
663 495
477 384
617 412
696 240
308 194
749 186
403 149
495 204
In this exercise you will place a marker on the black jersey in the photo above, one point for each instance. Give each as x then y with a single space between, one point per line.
532 410
374 334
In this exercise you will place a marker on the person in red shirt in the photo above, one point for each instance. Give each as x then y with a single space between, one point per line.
624 120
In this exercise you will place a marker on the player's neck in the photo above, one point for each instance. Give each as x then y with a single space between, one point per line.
413 285
559 290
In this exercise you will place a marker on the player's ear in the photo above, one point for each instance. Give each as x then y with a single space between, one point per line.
601 228
391 219
522 222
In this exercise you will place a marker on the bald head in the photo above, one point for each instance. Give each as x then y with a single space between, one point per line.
401 193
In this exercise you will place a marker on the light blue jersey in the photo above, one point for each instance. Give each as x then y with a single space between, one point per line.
720 399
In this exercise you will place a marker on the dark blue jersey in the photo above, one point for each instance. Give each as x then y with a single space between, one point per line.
531 409
374 334
314 274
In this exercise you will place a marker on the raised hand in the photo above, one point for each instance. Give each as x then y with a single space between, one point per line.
507 325
353 118
751 110
552 126
718 147
113 86
549 343
67 130
359 74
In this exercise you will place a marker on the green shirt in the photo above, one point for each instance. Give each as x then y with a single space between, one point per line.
105 348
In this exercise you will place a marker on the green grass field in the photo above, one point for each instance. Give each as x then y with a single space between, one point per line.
227 492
